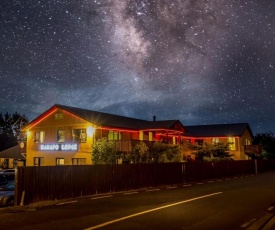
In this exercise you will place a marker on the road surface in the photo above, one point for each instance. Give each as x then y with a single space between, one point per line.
230 203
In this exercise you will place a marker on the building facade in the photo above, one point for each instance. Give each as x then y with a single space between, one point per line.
65 135
238 135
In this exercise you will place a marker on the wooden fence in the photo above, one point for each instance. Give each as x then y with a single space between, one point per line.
35 184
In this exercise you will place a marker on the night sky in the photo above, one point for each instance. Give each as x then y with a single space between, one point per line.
199 61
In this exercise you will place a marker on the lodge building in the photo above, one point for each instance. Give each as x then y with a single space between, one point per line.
64 135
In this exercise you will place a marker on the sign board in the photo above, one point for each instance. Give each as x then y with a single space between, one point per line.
58 116
59 147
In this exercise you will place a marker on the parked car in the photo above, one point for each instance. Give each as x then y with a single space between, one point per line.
7 194
6 177
7 170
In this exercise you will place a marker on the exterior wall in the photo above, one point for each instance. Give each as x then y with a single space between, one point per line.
58 120
238 152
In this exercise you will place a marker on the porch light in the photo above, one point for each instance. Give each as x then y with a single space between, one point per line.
90 130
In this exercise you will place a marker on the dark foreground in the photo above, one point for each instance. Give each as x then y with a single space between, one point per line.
235 203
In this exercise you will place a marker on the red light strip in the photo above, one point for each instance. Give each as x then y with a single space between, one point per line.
186 137
40 118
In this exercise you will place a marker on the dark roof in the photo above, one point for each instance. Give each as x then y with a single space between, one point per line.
217 130
102 119
12 153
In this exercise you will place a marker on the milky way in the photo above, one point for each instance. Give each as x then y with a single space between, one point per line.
199 61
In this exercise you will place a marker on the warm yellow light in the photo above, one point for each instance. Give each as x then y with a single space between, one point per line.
28 133
90 130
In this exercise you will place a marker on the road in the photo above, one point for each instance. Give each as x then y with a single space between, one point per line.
232 203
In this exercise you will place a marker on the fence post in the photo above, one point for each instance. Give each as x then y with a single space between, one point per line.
256 167
183 172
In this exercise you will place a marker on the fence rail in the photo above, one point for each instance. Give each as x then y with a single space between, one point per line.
62 182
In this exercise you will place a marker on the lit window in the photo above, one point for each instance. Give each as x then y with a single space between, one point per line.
215 140
39 137
232 143
78 161
150 136
60 136
38 161
141 135
114 135
60 161
79 135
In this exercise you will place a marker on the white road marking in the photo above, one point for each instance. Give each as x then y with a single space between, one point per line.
171 187
150 210
100 197
248 223
152 190
270 208
187 185
69 202
129 193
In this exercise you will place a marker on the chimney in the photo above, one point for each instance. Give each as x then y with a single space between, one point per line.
154 118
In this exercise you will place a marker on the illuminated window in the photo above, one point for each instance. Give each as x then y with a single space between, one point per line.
215 140
60 136
79 135
150 136
232 143
39 137
247 142
38 161
60 161
78 161
141 135
114 135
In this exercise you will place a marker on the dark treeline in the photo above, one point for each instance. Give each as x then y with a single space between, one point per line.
10 126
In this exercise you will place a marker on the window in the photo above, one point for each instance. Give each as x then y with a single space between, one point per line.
59 161
114 135
60 136
39 137
232 143
38 161
78 161
79 135
247 142
141 135
150 136
215 140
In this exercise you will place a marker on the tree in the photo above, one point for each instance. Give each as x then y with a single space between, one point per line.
211 152
141 153
162 152
267 141
104 152
10 127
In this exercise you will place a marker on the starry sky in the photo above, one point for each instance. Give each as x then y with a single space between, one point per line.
198 61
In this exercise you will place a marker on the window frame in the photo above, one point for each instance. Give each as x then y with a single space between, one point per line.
79 138
58 159
40 161
61 136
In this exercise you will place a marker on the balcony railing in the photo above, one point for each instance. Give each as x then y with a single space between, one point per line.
127 146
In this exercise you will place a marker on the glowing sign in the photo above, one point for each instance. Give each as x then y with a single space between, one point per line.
59 147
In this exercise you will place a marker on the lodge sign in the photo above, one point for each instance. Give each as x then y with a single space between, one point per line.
59 147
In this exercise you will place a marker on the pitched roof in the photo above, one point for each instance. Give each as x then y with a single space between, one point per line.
12 153
102 119
217 130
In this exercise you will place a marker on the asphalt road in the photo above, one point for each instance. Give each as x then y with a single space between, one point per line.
235 203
